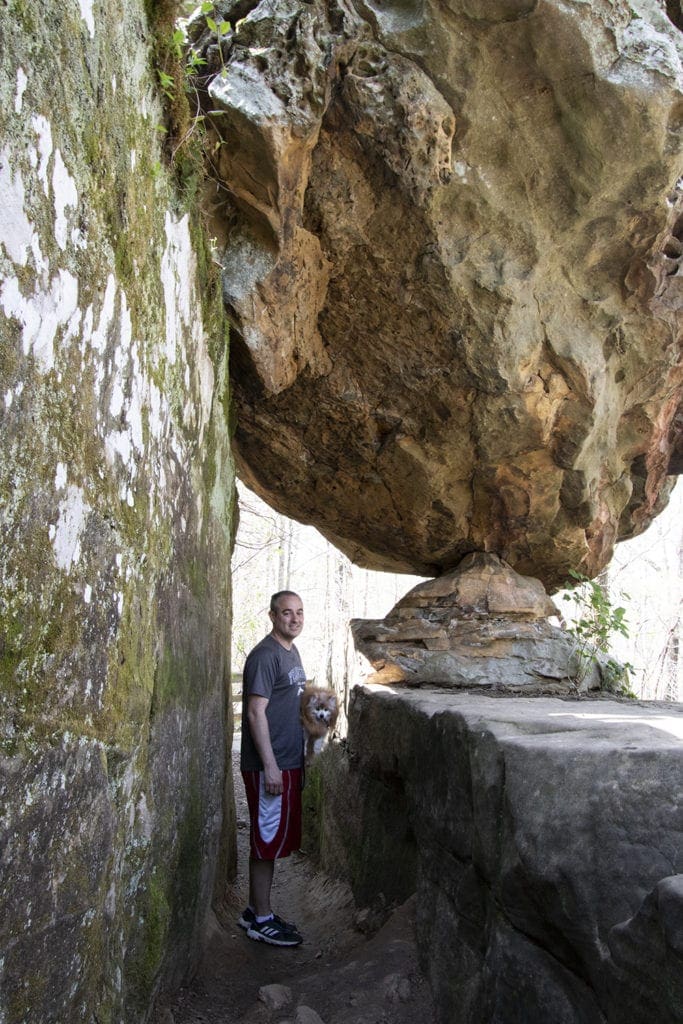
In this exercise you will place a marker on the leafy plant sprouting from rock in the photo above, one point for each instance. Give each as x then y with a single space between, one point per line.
181 75
221 29
597 620
178 63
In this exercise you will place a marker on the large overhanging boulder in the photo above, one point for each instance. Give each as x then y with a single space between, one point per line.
452 244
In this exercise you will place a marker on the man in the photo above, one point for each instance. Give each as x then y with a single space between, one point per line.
271 762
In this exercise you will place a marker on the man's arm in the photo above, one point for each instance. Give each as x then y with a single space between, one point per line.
260 733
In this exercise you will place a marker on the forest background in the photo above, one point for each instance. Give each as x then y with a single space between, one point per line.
274 553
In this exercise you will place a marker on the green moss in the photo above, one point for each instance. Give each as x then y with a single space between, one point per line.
10 650
145 959
25 13
167 901
216 330
210 289
72 419
162 13
123 259
29 636
156 927
183 151
189 863
171 679
313 814
127 203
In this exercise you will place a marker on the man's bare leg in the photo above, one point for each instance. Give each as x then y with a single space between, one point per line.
260 883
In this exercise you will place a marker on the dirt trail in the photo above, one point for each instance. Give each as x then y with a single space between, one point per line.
338 975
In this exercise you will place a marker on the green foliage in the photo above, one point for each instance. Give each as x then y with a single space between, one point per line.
167 85
180 69
194 62
177 43
597 621
221 29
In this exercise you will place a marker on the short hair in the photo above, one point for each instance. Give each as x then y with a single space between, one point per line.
281 593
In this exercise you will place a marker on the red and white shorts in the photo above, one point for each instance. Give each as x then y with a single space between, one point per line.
275 819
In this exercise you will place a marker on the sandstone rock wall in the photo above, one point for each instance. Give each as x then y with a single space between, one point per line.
116 493
543 838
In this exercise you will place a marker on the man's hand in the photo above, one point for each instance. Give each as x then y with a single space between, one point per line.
273 780
258 725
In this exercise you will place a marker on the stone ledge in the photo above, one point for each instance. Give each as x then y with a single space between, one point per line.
548 840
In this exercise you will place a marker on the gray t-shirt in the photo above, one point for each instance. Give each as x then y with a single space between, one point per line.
274 672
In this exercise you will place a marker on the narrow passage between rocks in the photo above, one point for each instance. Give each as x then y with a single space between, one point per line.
338 975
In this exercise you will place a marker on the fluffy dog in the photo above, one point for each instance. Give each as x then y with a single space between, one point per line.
319 710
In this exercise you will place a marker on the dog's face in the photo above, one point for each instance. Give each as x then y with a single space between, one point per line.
322 707
319 709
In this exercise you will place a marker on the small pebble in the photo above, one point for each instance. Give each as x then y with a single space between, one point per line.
305 1015
396 988
275 997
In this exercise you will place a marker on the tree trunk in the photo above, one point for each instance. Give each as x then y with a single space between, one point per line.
673 667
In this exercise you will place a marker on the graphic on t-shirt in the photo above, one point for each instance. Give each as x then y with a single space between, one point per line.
297 677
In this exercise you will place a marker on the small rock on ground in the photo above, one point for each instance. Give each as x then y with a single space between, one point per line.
275 997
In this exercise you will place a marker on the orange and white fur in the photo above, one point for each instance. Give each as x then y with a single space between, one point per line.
319 710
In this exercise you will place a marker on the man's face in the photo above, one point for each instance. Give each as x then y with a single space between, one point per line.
287 619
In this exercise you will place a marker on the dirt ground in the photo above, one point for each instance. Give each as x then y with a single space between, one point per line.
339 975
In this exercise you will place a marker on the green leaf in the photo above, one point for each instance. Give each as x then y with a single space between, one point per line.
207 6
193 64
212 24
224 28
166 82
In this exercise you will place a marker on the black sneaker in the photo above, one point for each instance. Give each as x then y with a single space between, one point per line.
274 932
248 917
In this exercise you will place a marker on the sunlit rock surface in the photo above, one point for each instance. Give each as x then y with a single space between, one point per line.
544 840
481 626
452 247
116 492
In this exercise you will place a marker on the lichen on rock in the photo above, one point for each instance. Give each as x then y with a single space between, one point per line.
116 486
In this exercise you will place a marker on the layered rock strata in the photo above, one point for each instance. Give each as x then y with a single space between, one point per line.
482 625
452 250
544 840
116 491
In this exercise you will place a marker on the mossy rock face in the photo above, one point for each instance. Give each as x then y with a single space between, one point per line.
116 501
358 827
